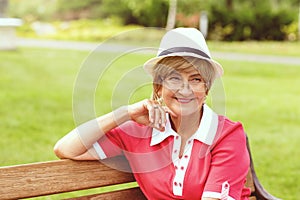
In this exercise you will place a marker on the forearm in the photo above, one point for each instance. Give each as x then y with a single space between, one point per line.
79 140
93 130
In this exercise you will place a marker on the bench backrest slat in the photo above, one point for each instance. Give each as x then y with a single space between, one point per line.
132 194
60 176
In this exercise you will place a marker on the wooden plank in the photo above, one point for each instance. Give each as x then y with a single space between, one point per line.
60 176
259 191
249 181
132 194
252 198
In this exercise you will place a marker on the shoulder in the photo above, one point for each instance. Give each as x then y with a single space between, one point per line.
133 129
227 125
230 143
230 131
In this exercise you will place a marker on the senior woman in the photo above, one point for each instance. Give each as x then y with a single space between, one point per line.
177 147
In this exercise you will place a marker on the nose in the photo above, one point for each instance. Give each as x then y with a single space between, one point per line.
185 88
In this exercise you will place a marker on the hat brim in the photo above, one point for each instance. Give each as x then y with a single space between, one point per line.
149 65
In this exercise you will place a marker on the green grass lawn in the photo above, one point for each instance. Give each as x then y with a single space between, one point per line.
257 47
36 107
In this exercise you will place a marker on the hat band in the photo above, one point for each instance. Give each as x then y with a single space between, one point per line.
184 49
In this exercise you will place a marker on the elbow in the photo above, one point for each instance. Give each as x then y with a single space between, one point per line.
58 151
69 147
64 151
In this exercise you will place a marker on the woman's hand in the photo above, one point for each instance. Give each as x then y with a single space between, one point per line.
149 113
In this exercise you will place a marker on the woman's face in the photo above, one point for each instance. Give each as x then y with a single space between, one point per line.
184 92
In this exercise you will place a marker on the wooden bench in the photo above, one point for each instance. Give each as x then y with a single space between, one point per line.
53 177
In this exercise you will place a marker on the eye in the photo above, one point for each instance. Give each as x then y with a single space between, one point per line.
174 78
196 80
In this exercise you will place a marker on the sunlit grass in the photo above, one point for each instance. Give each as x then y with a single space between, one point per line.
36 106
258 47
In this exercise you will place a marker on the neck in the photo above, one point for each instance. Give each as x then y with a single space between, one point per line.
186 125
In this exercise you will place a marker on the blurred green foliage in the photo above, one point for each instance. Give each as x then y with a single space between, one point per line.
253 20
78 30
228 20
32 10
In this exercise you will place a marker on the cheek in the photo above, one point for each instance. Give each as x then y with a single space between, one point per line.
201 99
200 95
166 94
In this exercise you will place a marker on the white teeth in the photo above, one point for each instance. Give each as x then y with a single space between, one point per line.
183 100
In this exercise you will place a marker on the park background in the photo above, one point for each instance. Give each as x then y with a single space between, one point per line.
37 82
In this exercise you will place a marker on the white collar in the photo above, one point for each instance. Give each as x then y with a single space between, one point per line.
205 133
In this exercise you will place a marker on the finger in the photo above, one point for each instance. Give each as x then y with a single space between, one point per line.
160 118
157 116
150 109
163 119
167 110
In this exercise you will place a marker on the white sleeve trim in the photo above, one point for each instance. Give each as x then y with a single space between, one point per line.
99 151
215 195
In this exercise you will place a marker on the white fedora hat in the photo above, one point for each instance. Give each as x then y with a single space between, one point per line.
183 42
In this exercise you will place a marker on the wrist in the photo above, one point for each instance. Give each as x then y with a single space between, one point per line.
121 115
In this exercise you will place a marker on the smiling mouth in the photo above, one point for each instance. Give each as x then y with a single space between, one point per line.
184 100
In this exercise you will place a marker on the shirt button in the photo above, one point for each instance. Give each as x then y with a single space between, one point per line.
175 151
190 141
180 184
186 156
182 167
176 167
175 183
177 137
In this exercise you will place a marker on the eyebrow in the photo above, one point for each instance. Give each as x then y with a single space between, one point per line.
193 75
174 73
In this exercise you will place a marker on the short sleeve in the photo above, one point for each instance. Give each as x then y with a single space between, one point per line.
229 162
122 140
110 144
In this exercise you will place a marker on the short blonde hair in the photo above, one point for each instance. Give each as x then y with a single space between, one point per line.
168 65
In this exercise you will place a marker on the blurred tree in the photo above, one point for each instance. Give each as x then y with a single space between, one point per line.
250 19
75 9
3 7
108 9
32 10
190 7
229 4
171 14
146 13
149 12
188 12
228 19
76 5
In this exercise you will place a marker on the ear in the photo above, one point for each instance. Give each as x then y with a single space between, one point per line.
206 88
159 91
206 92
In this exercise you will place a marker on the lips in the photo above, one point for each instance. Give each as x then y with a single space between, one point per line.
184 100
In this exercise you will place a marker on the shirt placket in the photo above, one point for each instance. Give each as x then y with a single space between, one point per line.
180 164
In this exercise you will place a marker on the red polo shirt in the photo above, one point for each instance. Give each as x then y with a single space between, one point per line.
215 161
